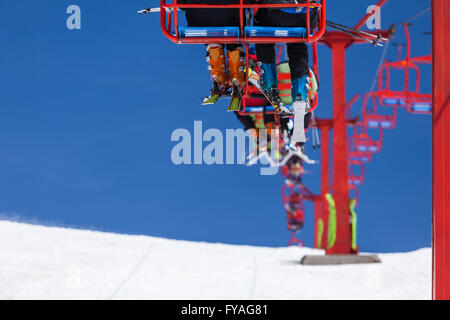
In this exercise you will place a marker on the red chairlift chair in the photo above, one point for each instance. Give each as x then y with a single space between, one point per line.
353 178
413 100
290 194
362 156
246 33
374 120
362 142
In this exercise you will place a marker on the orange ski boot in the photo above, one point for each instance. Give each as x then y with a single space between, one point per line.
236 65
217 66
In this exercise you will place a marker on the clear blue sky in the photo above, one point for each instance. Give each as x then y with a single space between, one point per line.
86 118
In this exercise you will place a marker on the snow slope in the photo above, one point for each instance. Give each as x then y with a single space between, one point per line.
54 263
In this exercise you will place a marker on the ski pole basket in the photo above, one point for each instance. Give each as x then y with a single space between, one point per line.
245 33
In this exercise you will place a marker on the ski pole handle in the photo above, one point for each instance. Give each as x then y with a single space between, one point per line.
150 10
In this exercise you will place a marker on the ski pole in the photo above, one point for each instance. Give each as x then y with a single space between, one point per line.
150 10
357 31
374 42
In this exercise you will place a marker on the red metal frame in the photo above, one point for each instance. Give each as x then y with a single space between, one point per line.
372 116
174 36
166 26
361 138
407 96
340 159
304 195
441 149
325 126
356 179
353 154
169 18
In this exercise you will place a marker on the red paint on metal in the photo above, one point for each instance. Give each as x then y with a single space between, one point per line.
406 98
167 31
317 216
340 160
441 149
325 180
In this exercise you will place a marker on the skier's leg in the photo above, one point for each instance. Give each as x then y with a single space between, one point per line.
267 56
298 64
232 46
266 52
215 52
212 17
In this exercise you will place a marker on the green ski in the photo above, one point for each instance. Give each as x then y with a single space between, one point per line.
212 99
235 104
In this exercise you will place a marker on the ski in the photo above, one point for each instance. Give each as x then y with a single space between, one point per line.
281 109
212 99
216 93
235 104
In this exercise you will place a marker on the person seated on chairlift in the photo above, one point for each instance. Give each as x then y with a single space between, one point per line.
297 53
225 72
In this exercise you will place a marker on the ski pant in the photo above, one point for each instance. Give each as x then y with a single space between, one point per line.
297 52
213 17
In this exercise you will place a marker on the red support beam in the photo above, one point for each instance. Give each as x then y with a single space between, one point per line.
325 181
340 160
317 216
441 149
339 42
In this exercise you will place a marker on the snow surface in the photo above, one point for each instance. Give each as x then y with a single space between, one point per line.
39 262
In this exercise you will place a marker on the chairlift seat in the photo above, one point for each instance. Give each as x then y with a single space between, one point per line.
384 122
355 181
360 156
203 32
422 107
393 102
292 32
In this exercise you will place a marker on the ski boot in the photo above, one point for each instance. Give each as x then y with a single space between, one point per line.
300 88
270 86
236 63
217 66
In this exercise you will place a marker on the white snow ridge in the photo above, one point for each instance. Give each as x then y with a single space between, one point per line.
54 263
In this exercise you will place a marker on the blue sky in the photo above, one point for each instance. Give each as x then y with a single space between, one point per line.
86 118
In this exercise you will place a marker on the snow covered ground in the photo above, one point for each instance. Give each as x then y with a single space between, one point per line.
54 263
